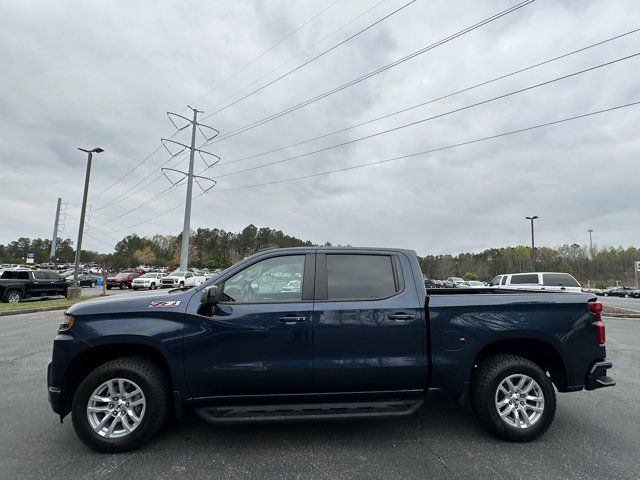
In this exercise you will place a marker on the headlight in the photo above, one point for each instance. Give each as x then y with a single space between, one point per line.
68 322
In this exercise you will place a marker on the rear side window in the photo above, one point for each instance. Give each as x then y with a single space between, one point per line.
360 277
16 275
559 280
524 279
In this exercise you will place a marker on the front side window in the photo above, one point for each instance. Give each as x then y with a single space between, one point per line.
525 279
275 279
360 277
39 275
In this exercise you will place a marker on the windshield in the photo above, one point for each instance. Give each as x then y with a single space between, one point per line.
177 273
123 275
149 275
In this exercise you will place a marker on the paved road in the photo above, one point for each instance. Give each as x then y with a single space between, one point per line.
596 435
628 303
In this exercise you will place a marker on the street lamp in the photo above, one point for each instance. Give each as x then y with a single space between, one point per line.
84 208
533 243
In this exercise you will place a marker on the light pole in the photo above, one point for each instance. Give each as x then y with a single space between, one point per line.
84 207
533 243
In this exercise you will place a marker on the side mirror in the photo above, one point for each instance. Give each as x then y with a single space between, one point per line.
211 295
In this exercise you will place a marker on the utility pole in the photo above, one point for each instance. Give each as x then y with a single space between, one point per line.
590 243
84 208
533 243
189 175
54 239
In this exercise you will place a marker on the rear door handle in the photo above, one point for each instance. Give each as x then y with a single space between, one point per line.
401 316
292 319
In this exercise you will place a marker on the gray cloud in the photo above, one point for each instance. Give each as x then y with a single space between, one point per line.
89 74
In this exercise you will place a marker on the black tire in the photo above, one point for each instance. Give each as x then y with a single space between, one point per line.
108 287
11 295
122 286
484 384
181 284
153 286
154 385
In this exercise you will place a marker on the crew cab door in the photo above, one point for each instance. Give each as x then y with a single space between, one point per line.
369 325
258 339
41 285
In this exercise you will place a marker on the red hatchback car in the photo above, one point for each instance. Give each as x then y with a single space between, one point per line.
121 280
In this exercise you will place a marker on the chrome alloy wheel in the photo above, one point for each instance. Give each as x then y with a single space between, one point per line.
13 297
519 401
116 408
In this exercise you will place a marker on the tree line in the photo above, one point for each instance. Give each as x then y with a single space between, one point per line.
216 248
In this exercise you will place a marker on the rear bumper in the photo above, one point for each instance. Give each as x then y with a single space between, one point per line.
597 376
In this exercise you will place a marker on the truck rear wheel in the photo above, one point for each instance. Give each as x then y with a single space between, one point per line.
513 397
121 405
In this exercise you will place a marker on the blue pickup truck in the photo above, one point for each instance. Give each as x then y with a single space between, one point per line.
309 333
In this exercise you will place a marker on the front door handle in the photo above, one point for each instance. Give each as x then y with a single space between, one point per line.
292 319
401 316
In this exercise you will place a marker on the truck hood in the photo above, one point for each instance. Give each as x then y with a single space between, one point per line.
134 303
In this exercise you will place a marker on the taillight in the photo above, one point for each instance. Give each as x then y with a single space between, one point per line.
596 309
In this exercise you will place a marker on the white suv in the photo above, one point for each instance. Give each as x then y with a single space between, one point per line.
178 279
551 281
148 280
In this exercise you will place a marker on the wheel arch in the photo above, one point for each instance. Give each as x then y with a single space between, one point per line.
88 360
540 352
15 288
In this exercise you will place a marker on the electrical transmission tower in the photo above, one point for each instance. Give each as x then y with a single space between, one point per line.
209 159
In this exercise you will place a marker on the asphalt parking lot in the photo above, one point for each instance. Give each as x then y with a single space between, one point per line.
632 304
596 435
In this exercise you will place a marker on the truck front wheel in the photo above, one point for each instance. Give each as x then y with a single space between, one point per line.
120 405
513 397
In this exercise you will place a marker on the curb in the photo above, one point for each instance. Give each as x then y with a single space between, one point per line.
6 313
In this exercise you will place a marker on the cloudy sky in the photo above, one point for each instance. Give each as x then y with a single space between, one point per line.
105 74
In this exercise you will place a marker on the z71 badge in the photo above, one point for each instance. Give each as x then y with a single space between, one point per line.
164 303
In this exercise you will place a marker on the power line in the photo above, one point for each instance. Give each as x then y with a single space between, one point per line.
439 149
372 73
301 52
383 132
217 86
401 157
442 97
432 117
279 42
130 189
422 104
302 65
386 67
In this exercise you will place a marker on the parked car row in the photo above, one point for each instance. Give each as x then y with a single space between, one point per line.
552 281
624 292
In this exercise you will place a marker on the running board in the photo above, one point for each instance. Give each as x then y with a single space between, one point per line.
308 411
